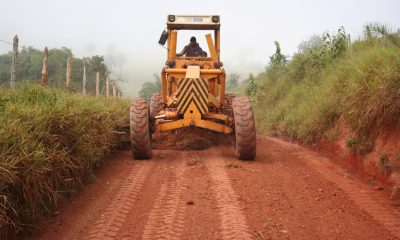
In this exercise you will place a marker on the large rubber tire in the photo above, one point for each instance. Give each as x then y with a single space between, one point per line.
140 129
245 130
229 98
156 105
228 108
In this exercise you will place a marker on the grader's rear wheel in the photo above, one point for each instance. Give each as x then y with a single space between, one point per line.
140 129
156 105
245 131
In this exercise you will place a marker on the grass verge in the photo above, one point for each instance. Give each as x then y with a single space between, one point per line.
50 143
359 82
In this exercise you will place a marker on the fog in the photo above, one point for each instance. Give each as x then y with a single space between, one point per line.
126 32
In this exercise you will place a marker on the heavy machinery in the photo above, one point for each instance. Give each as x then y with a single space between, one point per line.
193 94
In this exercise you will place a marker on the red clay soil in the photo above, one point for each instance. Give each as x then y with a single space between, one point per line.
288 192
378 161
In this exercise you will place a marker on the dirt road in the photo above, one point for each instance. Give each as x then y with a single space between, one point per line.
289 192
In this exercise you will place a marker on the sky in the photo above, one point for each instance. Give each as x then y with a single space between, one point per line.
127 31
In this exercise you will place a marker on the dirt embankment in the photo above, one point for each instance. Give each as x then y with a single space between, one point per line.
377 157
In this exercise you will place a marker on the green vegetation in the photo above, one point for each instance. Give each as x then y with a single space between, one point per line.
50 143
251 85
233 81
30 63
331 78
148 88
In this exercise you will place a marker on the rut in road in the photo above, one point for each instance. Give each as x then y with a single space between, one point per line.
232 219
362 198
275 197
115 214
166 218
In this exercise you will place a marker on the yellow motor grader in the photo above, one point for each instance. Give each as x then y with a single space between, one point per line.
193 94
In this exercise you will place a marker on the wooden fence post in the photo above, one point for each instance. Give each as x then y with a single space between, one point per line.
97 84
84 81
14 63
68 77
45 69
107 87
114 90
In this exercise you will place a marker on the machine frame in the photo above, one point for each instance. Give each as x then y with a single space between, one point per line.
179 69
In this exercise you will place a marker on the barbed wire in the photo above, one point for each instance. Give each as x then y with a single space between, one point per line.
10 43
6 42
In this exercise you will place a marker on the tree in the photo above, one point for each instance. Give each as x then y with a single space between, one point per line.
251 88
277 58
233 81
335 44
148 88
93 65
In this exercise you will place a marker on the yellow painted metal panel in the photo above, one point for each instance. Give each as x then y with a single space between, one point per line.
172 45
217 127
211 47
218 43
164 86
202 71
218 116
222 96
192 91
193 72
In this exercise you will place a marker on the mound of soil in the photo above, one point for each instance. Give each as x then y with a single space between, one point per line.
191 138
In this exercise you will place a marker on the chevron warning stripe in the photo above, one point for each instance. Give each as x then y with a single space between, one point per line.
192 90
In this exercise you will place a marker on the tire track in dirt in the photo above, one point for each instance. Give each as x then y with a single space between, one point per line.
362 197
232 219
109 224
166 218
359 194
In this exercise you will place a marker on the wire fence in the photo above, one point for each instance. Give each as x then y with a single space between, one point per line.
11 67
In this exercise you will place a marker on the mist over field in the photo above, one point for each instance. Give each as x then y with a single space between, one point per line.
126 32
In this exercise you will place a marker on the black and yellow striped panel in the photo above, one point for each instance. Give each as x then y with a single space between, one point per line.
192 90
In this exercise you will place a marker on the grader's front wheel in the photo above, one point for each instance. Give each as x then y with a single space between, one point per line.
156 105
245 131
140 129
229 98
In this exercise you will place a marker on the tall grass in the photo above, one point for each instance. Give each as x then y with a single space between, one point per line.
50 143
305 97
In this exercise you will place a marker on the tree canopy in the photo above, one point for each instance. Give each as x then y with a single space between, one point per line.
148 88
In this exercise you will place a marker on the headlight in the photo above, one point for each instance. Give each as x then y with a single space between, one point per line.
215 19
171 64
218 64
171 18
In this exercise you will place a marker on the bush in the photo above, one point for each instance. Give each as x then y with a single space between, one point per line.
50 143
359 82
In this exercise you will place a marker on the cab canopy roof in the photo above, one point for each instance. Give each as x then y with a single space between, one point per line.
193 22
